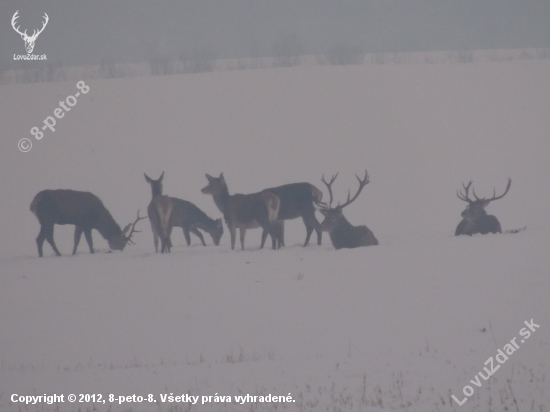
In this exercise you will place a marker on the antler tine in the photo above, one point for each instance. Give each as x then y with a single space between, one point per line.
133 230
464 196
329 187
362 183
13 22
46 19
502 195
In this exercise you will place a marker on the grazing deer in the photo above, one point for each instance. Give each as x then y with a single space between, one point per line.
342 233
244 211
475 218
190 218
297 200
82 209
187 216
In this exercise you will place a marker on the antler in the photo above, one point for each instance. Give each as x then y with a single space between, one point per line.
328 185
465 195
362 184
35 33
132 231
494 193
14 18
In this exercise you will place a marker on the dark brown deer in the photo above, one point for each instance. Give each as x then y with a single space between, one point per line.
187 216
297 200
475 218
244 211
342 233
82 209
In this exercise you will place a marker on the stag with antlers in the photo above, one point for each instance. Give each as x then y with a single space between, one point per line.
82 209
29 40
475 218
342 233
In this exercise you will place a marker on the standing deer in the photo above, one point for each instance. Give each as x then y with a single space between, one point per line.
187 216
475 218
244 211
160 210
342 233
82 209
297 200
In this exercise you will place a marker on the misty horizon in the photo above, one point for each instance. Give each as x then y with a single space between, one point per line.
138 31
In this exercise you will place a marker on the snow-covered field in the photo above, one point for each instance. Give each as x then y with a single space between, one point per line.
400 326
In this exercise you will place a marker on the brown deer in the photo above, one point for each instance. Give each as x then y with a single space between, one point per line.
342 233
297 200
187 216
82 209
190 218
159 211
244 211
475 218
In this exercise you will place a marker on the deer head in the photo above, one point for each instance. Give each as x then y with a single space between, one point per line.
476 208
120 241
334 216
29 40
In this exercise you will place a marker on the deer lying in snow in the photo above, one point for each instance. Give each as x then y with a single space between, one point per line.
342 233
475 218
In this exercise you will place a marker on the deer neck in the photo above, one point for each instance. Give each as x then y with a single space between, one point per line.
107 226
156 190
222 199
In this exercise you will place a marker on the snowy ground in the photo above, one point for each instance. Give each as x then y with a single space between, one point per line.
400 326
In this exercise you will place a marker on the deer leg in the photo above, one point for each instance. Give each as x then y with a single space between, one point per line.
199 235
187 236
155 237
243 233
264 237
77 234
49 238
88 236
312 223
277 234
40 240
233 233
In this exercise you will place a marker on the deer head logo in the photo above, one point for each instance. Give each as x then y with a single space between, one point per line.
29 40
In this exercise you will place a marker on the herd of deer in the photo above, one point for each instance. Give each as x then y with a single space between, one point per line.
267 209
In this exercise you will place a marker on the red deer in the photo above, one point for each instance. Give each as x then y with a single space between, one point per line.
160 210
342 233
244 211
187 216
82 209
297 200
475 218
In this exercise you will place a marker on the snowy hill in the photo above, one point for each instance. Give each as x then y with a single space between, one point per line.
399 326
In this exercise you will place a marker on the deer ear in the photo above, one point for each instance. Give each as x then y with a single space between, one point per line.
161 176
210 178
126 229
221 177
147 178
485 203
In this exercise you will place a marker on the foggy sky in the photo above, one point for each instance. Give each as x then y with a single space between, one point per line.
84 32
